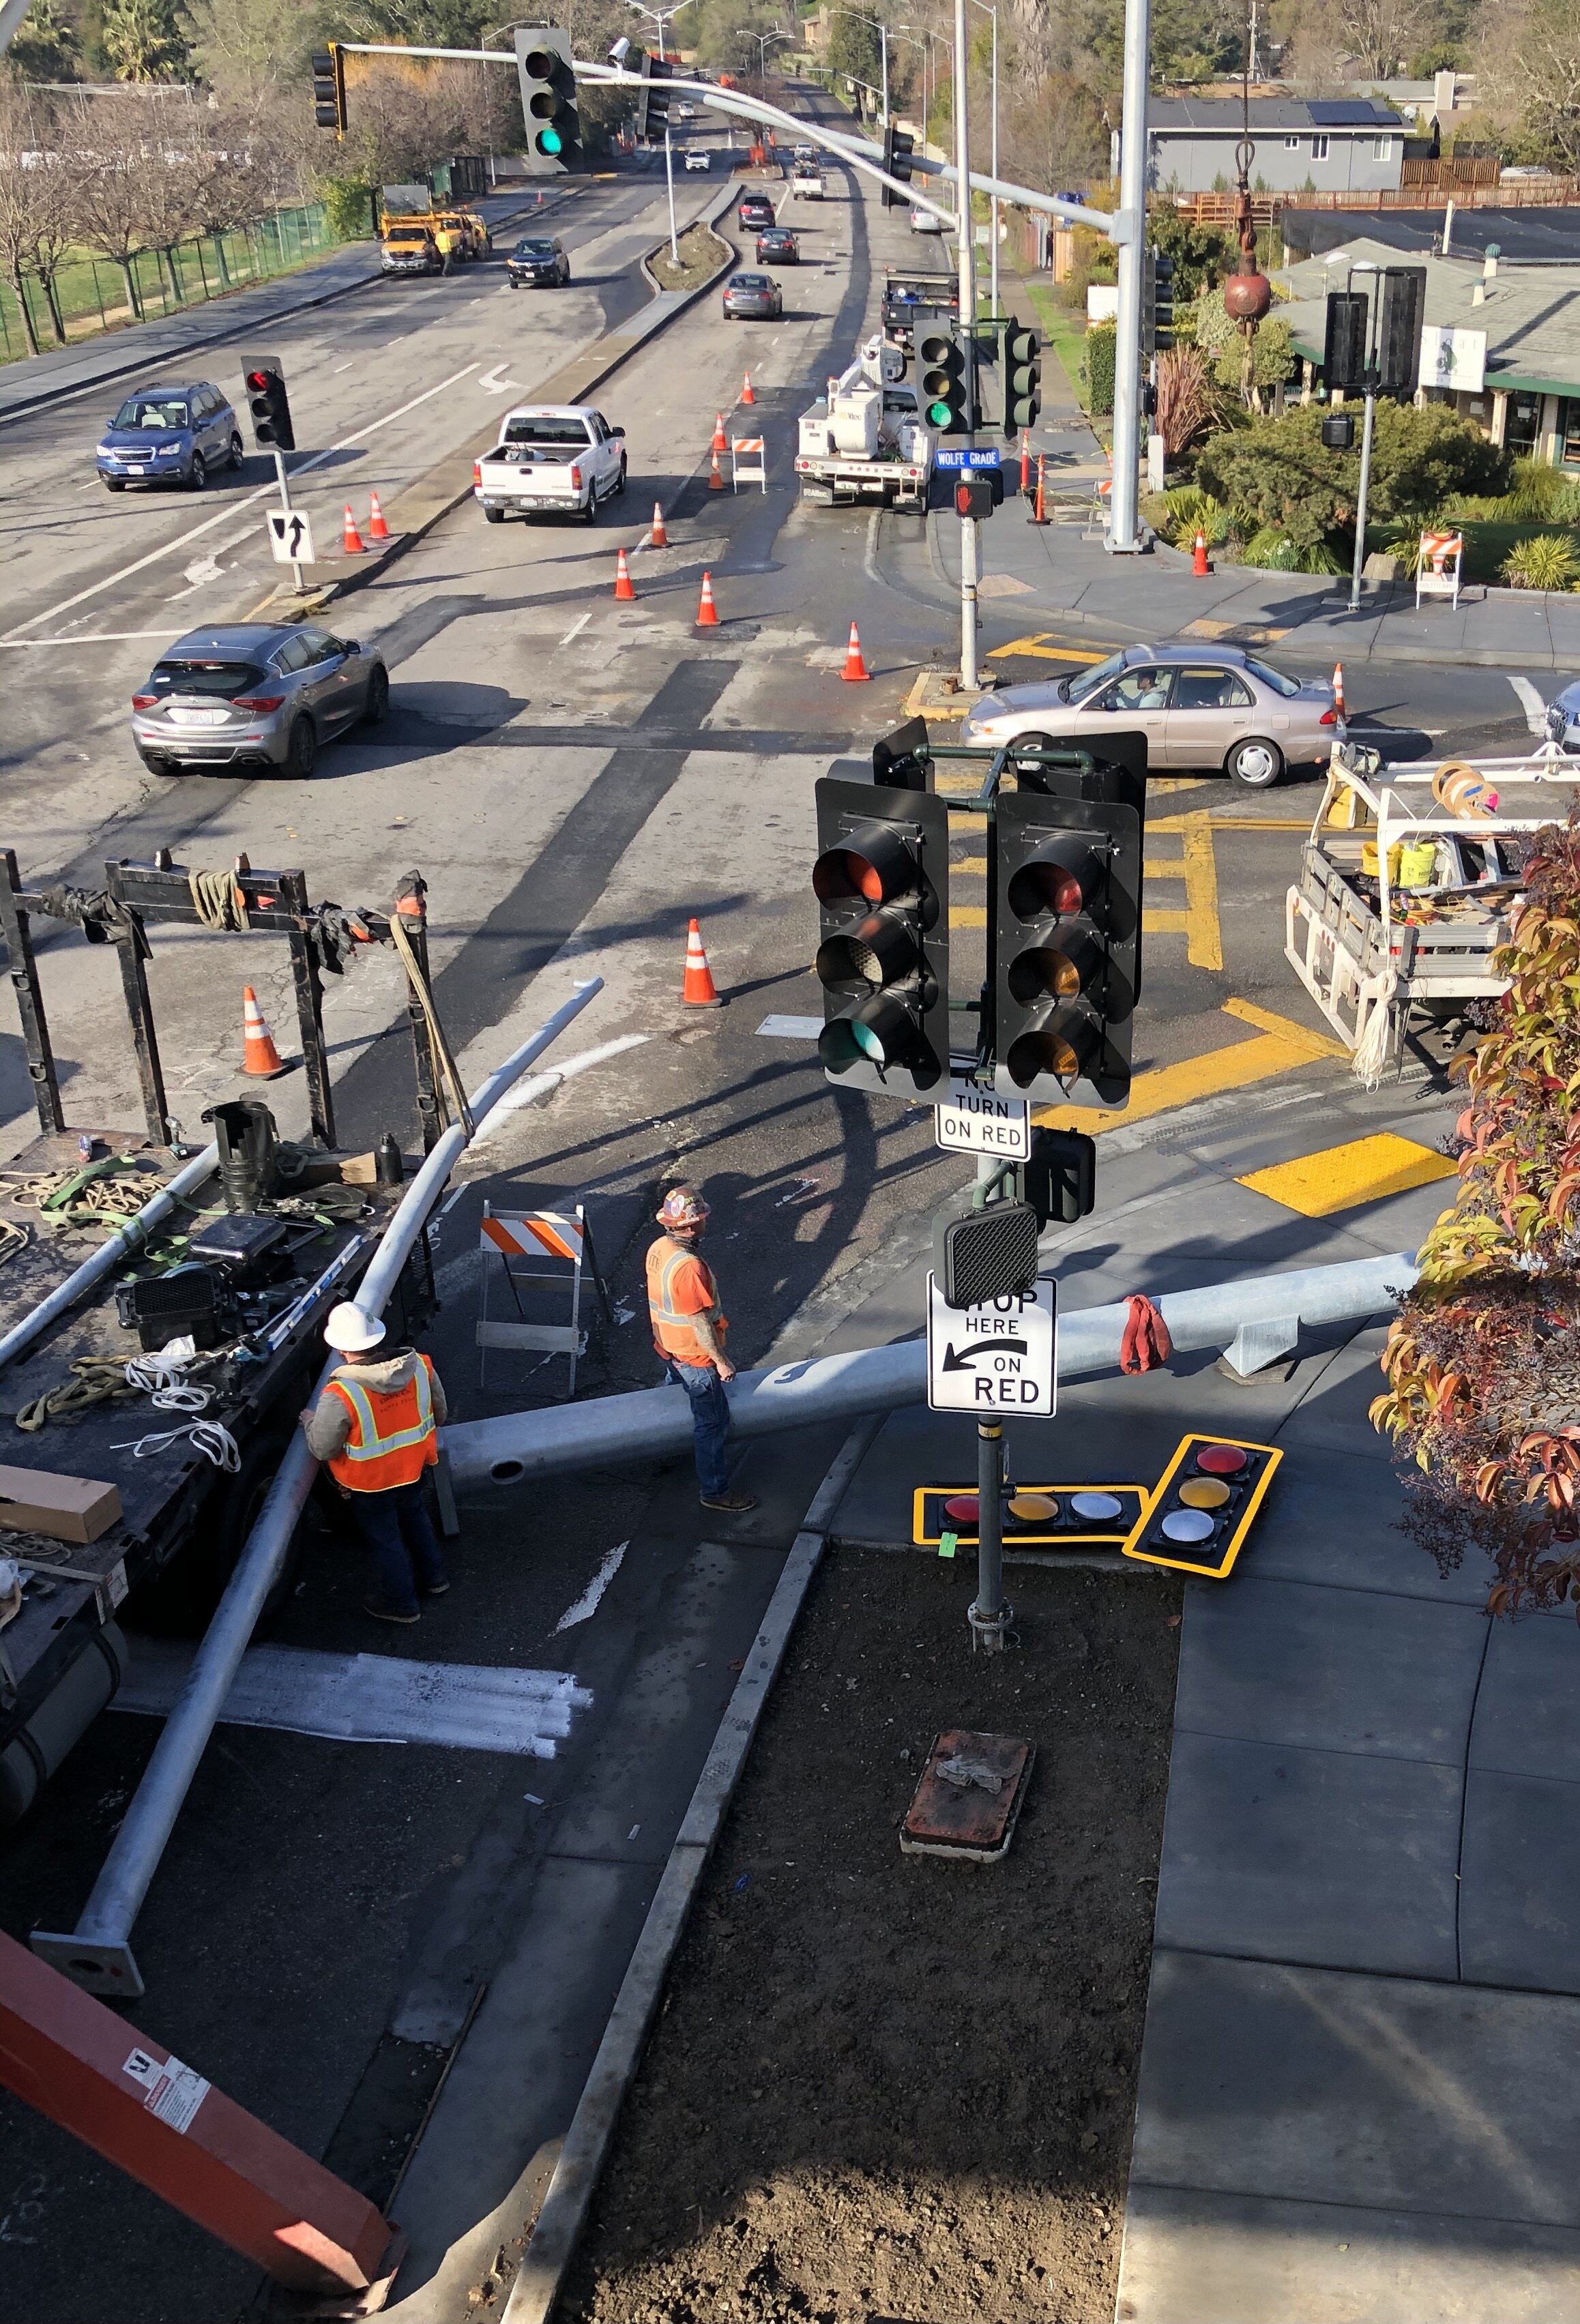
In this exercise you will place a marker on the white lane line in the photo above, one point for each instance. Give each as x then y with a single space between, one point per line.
576 629
340 367
586 1605
94 638
540 1084
371 1697
1531 702
346 444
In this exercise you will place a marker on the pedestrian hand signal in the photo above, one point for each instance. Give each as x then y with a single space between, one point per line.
548 101
944 394
881 884
269 404
328 71
1067 919
1023 378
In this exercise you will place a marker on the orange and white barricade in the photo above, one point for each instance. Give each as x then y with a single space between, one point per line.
1437 563
749 461
544 1255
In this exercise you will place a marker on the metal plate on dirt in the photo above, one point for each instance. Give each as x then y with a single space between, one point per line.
969 1801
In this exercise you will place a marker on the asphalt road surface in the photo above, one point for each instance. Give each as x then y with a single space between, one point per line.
575 778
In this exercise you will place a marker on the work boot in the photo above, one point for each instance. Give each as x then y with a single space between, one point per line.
735 1504
382 1611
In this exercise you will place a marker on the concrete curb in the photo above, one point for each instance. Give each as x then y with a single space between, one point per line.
709 222
413 513
563 2215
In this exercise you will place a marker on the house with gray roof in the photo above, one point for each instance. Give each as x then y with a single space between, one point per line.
1322 145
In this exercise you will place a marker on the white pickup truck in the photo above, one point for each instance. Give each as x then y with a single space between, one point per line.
807 180
866 438
551 458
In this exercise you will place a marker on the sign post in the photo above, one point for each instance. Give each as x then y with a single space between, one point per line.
997 1358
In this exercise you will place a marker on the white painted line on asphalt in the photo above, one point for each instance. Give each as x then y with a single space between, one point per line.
586 1605
540 1084
371 1697
576 629
791 1028
1531 702
340 367
347 443
94 638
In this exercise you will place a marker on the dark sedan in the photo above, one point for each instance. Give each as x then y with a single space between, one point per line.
753 298
538 259
754 211
777 246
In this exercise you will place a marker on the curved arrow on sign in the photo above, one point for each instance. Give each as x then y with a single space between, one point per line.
961 1363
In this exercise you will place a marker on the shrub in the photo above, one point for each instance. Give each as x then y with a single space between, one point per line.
1190 511
348 208
1272 357
1547 560
1098 368
1278 472
1273 550
1188 401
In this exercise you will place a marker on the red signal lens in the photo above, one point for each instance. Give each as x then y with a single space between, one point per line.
257 381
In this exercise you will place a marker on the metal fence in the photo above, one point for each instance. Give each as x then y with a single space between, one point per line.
91 292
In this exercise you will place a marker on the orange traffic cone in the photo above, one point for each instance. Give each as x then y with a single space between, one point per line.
715 475
377 530
720 442
746 395
1198 560
259 1055
854 667
698 990
622 588
658 538
706 610
351 539
1338 690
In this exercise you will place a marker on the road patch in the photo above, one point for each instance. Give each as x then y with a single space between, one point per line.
1342 1177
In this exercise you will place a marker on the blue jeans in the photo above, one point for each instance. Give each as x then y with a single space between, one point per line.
399 1532
710 1421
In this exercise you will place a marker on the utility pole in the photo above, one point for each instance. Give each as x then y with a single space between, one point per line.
969 573
669 181
1124 538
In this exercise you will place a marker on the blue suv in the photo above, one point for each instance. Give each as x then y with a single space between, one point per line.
170 436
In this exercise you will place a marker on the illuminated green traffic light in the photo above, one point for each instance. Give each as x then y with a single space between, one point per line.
550 141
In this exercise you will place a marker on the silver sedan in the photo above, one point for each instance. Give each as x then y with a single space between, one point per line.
1221 709
260 695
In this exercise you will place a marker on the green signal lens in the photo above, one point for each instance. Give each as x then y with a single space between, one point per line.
868 1042
551 141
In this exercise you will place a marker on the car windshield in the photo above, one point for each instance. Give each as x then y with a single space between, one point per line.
1273 678
224 678
1087 680
534 249
536 429
149 411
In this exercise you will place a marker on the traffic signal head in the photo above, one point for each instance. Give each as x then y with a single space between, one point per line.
1343 351
899 145
1068 894
329 70
1162 300
652 99
1023 378
268 403
548 107
881 884
945 397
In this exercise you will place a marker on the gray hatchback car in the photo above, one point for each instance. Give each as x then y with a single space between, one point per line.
1211 708
260 695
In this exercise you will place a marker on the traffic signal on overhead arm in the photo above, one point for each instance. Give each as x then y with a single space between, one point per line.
1067 931
1023 377
653 98
942 375
899 145
548 106
268 403
881 884
328 71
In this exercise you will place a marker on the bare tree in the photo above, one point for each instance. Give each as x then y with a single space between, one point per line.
1530 61
34 192
111 162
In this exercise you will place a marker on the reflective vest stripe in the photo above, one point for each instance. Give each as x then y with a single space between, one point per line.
662 1312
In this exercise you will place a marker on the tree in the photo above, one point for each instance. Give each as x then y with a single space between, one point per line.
241 47
110 164
854 49
1381 33
1531 65
143 39
1279 473
34 199
46 47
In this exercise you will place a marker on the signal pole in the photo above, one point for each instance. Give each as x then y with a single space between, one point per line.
969 570
1124 538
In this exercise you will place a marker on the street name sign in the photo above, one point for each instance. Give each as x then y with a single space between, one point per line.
997 1359
966 456
975 1120
290 536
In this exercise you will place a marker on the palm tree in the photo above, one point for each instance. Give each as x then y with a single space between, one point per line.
143 39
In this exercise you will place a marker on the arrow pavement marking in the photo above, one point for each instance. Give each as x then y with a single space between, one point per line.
493 382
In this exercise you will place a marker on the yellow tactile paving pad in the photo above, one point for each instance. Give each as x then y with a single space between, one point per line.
1341 1177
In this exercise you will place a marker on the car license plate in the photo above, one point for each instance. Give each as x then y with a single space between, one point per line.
135 472
198 717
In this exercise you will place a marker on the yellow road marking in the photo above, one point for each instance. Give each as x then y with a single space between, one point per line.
1231 822
1282 1046
1157 867
1036 647
1204 936
1363 1170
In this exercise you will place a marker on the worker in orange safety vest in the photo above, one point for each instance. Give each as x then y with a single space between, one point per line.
688 1327
375 1427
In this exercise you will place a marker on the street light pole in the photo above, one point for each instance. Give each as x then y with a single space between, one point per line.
991 9
1123 537
669 181
969 570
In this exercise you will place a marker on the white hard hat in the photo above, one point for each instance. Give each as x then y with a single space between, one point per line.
352 1330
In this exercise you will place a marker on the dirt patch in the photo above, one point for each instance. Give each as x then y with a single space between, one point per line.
702 254
883 2088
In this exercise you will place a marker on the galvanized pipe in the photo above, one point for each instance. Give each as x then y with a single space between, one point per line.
654 1421
106 1926
122 1244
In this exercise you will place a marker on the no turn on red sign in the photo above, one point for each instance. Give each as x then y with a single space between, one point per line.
997 1359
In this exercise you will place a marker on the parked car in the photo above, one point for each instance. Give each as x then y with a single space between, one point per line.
170 436
535 260
1219 709
753 298
924 222
777 245
261 694
695 159
754 211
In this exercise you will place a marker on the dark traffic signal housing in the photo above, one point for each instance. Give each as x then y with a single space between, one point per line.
328 71
653 98
1067 930
945 394
1023 377
899 145
1158 294
268 403
548 107
881 884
